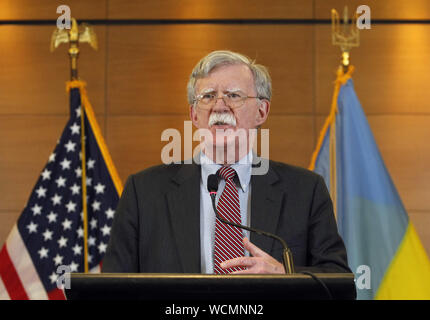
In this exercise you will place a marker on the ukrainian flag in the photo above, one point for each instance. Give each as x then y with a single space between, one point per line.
384 250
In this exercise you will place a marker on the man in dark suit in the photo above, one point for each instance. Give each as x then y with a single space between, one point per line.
165 222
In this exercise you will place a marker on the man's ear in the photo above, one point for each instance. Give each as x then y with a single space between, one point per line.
263 112
193 115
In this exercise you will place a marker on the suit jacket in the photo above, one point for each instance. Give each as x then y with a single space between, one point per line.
156 228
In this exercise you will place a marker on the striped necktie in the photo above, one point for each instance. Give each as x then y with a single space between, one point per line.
228 239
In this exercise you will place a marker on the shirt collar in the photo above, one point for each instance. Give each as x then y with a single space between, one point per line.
243 169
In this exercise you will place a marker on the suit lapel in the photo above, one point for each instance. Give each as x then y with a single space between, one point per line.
184 209
266 205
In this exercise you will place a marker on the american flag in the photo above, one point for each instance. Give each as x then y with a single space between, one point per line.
49 233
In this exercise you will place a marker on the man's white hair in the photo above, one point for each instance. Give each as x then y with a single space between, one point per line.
262 80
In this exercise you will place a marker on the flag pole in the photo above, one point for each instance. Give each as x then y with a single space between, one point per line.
84 189
73 37
346 38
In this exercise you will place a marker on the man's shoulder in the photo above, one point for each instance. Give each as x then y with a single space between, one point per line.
160 170
160 175
157 172
171 170
291 173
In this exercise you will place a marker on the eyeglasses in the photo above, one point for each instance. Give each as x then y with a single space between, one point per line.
232 99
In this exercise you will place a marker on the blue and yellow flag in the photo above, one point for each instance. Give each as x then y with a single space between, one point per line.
384 250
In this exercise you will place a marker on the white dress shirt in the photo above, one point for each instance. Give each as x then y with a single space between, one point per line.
207 216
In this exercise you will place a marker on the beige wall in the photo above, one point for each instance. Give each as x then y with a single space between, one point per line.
136 83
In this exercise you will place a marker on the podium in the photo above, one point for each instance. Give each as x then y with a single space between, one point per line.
200 287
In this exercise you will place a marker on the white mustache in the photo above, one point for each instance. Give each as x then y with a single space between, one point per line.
222 118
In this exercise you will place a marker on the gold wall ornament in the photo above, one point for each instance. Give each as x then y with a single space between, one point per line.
76 34
345 35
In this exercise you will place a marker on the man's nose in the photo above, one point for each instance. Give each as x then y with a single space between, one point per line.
220 105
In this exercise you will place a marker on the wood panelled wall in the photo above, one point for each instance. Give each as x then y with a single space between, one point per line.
137 79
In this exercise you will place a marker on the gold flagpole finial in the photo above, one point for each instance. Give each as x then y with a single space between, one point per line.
345 37
76 34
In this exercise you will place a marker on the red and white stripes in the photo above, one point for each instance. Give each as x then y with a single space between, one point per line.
228 239
19 279
18 274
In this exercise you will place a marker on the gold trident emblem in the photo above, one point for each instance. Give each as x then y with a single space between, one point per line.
73 37
345 36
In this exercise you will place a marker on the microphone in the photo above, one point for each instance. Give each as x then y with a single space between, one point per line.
287 256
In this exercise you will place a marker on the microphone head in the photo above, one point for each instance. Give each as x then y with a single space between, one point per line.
212 183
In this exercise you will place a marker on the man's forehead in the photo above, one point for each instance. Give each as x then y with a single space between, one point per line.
227 77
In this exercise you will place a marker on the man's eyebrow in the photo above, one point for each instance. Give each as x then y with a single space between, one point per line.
208 90
212 90
233 90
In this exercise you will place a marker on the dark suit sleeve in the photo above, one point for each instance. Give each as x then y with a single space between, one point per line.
122 252
326 250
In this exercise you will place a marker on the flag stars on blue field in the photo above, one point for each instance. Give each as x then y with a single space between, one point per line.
52 217
53 277
71 206
99 188
70 146
67 224
75 128
93 223
91 241
32 227
52 157
61 182
96 205
62 242
46 174
58 260
41 192
52 224
110 213
106 230
91 163
102 247
75 189
74 267
77 250
78 172
56 199
47 235
65 164
37 210
43 253
80 232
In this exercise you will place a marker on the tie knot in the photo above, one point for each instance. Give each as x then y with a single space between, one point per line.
227 173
